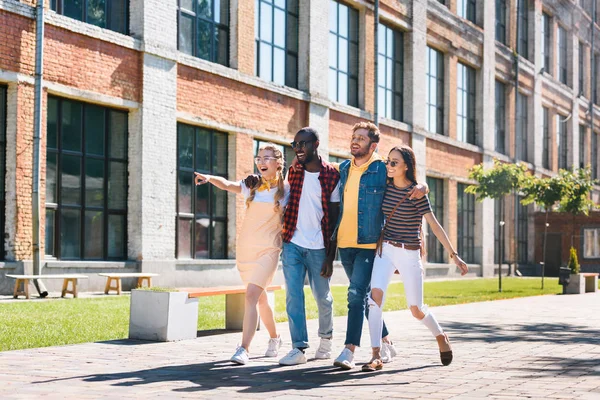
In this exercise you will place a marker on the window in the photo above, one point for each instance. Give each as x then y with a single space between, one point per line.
390 74
277 41
522 127
203 29
561 141
2 163
435 250
500 117
465 104
86 181
594 155
596 85
581 146
546 138
109 14
523 234
523 26
466 224
343 54
581 69
288 154
201 210
435 91
501 21
498 230
466 9
591 243
562 55
546 41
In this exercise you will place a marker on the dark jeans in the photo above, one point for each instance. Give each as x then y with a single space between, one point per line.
358 264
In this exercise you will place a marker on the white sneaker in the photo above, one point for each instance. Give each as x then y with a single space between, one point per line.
345 360
241 356
388 352
274 346
294 357
324 350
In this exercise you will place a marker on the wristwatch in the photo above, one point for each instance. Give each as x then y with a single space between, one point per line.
453 254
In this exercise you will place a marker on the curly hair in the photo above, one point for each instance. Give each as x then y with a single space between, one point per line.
280 187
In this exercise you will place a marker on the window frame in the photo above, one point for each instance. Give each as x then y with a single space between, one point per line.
3 129
396 91
546 41
522 117
581 62
290 55
500 35
83 155
562 56
466 95
596 234
435 250
438 81
196 18
59 7
352 82
582 132
194 214
467 9
500 117
465 232
523 234
546 137
562 138
523 22
594 155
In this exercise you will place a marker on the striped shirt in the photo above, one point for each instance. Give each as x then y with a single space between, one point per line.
405 225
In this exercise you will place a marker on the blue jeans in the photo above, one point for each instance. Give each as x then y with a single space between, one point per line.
297 261
358 264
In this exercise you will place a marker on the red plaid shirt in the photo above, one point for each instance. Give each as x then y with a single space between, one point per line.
329 177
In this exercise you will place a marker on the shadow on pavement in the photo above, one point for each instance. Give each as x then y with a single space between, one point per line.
551 333
250 378
571 367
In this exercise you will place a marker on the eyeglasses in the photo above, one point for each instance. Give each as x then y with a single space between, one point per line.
301 144
264 160
391 163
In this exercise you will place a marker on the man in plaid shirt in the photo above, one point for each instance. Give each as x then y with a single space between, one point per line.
309 219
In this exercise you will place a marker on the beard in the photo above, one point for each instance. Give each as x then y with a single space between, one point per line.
360 153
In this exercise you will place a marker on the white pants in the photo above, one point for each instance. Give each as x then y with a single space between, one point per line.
408 264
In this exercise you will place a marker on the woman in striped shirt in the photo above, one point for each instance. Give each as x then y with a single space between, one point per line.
401 252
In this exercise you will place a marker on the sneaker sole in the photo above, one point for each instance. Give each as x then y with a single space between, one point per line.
343 366
238 362
289 365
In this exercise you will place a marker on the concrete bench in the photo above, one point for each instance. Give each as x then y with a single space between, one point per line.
591 281
116 277
24 279
584 282
169 316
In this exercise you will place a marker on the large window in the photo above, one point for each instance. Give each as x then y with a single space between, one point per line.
522 113
546 138
465 104
501 21
523 26
500 117
343 54
582 146
2 163
523 234
591 243
561 141
109 14
546 41
203 29
466 9
86 181
562 55
466 224
277 41
435 91
390 74
594 155
201 210
581 69
435 250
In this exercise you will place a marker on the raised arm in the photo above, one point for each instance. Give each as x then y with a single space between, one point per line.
221 183
440 234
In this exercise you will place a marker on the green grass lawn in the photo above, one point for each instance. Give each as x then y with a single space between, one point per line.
68 321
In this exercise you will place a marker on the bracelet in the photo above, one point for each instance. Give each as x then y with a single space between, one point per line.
453 254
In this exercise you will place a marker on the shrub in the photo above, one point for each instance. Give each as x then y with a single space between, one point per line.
573 261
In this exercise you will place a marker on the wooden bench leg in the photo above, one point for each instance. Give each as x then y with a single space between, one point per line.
107 287
74 286
24 292
140 281
64 288
118 286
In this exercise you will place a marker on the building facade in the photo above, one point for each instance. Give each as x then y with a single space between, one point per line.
139 94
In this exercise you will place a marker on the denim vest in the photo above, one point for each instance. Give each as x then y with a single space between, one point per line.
370 197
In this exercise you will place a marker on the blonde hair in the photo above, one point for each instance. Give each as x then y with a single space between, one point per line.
280 188
369 126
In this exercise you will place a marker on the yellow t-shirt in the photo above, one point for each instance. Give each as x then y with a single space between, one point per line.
348 231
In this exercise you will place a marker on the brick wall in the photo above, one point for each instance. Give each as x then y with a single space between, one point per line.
17 43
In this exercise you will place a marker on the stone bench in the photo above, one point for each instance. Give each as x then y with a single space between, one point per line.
24 279
584 282
169 316
116 277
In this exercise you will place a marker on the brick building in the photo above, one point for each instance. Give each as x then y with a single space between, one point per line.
138 94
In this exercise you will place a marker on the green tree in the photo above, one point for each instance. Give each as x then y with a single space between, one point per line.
573 261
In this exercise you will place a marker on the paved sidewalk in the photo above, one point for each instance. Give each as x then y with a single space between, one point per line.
538 347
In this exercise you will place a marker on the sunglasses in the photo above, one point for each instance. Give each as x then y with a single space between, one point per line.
301 144
265 160
391 163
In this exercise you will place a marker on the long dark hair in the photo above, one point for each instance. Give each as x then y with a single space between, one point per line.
408 155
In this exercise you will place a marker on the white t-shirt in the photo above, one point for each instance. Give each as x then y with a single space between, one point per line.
267 196
310 213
